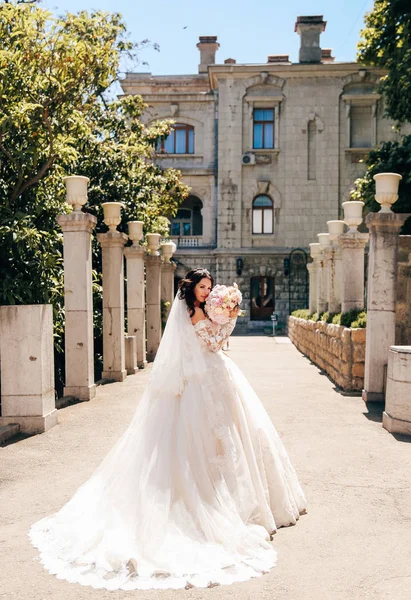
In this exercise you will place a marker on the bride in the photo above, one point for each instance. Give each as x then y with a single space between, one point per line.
193 491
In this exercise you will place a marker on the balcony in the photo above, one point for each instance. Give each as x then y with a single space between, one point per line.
190 241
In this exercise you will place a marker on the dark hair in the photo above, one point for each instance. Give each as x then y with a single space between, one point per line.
186 287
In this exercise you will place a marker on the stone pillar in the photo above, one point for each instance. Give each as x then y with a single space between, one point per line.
112 245
167 284
352 255
131 354
322 274
397 415
334 276
321 297
136 300
153 304
167 274
27 367
77 228
333 253
381 298
312 273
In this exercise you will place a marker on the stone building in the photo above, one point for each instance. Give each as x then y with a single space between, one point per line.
270 152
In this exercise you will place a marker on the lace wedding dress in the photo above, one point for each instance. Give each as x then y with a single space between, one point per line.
191 492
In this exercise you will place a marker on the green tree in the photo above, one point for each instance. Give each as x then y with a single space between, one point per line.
55 73
389 157
386 43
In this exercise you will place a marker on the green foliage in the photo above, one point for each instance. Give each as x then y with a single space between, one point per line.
301 313
327 317
389 157
353 318
55 121
386 43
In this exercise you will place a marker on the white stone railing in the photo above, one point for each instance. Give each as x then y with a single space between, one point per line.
337 284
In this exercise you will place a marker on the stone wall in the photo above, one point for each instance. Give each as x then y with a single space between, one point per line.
403 316
338 350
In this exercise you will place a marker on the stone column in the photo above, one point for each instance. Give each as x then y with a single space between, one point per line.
153 295
112 245
313 273
77 228
381 298
167 274
167 283
352 255
27 367
136 300
333 253
322 274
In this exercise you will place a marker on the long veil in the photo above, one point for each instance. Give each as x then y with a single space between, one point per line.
179 357
189 493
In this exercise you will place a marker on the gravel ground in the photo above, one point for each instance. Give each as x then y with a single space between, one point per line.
354 543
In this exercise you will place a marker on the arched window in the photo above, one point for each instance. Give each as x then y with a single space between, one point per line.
263 215
180 140
188 220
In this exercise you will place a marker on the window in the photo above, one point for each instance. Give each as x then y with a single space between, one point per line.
262 302
263 128
360 127
263 215
188 220
180 141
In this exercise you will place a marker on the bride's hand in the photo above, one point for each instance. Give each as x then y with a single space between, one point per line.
235 312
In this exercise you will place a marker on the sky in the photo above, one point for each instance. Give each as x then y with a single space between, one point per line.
247 30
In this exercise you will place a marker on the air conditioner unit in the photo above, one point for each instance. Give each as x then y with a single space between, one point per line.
248 158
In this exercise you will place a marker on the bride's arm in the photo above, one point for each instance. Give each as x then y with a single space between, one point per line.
214 335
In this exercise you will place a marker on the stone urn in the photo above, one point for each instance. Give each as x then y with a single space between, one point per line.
76 191
153 243
324 240
135 231
112 214
167 250
386 190
353 214
335 229
315 250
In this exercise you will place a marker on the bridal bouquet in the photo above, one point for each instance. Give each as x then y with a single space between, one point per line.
221 301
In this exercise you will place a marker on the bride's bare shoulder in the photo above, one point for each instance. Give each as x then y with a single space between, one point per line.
198 315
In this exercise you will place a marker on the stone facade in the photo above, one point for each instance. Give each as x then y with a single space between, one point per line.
324 117
338 350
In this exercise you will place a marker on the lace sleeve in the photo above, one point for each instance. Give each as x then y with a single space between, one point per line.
214 335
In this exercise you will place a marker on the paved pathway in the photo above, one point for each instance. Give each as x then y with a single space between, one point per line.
354 543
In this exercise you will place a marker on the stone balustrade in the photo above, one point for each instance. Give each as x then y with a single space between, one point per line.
338 350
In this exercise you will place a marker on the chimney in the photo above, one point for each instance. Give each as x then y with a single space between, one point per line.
230 61
310 29
208 46
326 55
278 58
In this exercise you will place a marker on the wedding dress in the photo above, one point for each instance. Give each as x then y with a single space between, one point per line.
191 492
